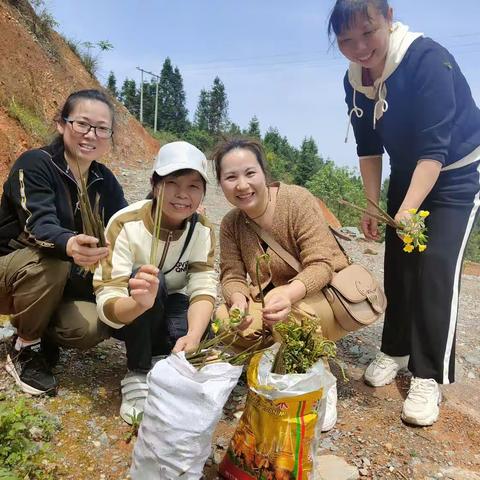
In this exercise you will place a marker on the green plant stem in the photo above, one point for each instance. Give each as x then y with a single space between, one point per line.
266 258
157 222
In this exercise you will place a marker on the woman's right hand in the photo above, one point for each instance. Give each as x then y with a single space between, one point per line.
144 286
83 250
240 302
369 227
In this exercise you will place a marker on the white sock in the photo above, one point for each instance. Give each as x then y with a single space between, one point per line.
21 343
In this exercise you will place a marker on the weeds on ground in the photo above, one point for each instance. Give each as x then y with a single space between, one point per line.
29 121
133 432
24 435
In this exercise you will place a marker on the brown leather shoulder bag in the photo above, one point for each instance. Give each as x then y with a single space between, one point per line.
355 296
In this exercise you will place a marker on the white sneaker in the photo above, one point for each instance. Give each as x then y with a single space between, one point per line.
421 405
330 418
134 394
384 369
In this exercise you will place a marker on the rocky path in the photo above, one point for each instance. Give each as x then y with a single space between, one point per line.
369 441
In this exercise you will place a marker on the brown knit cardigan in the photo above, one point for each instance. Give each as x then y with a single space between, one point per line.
299 227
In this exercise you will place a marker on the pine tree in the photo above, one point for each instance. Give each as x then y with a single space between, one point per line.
181 123
286 154
233 129
149 91
218 108
130 97
253 129
202 111
308 162
112 85
172 113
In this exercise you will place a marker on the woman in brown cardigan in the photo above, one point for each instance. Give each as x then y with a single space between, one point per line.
292 216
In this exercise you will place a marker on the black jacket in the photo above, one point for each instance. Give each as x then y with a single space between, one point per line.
39 205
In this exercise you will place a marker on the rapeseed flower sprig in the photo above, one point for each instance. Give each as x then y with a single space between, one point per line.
411 230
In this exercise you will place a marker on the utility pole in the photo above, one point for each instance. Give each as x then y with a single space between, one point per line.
156 97
141 94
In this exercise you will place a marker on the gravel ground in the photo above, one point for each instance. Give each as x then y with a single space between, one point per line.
369 434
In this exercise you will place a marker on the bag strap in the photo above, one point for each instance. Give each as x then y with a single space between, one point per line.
336 236
286 256
276 247
191 228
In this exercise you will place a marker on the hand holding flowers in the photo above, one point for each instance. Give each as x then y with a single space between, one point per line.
412 229
409 224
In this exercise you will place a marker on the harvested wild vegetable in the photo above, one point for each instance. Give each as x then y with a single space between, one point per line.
266 258
157 221
217 349
302 346
91 220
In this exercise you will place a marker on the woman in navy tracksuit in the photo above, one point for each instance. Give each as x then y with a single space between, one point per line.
407 96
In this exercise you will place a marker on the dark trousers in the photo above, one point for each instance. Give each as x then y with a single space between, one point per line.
155 331
423 288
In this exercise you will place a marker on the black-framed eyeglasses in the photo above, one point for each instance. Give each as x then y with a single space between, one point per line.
82 127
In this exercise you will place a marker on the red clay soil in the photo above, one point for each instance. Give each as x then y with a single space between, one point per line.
39 76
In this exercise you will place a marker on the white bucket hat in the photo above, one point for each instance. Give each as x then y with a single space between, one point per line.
177 156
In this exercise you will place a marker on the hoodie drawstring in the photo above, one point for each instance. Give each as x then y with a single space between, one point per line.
355 110
381 102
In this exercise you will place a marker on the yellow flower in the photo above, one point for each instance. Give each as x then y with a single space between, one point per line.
216 326
421 248
413 211
408 248
407 239
424 213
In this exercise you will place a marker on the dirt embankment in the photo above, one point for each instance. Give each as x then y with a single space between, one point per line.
38 73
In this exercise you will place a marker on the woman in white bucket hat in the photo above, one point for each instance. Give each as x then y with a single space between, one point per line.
164 306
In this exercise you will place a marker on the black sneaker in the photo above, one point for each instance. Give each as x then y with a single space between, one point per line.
50 351
30 370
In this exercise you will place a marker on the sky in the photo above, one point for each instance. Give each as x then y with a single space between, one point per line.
273 56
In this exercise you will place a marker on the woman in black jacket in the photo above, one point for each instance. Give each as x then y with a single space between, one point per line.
406 95
42 247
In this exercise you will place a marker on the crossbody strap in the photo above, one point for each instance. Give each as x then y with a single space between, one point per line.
276 247
193 222
282 253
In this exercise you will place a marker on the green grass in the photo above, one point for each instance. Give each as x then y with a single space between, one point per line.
25 433
34 125
90 62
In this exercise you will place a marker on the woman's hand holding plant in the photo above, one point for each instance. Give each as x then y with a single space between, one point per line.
144 286
188 343
277 305
369 226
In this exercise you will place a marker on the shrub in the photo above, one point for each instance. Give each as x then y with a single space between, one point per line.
162 136
24 435
73 44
